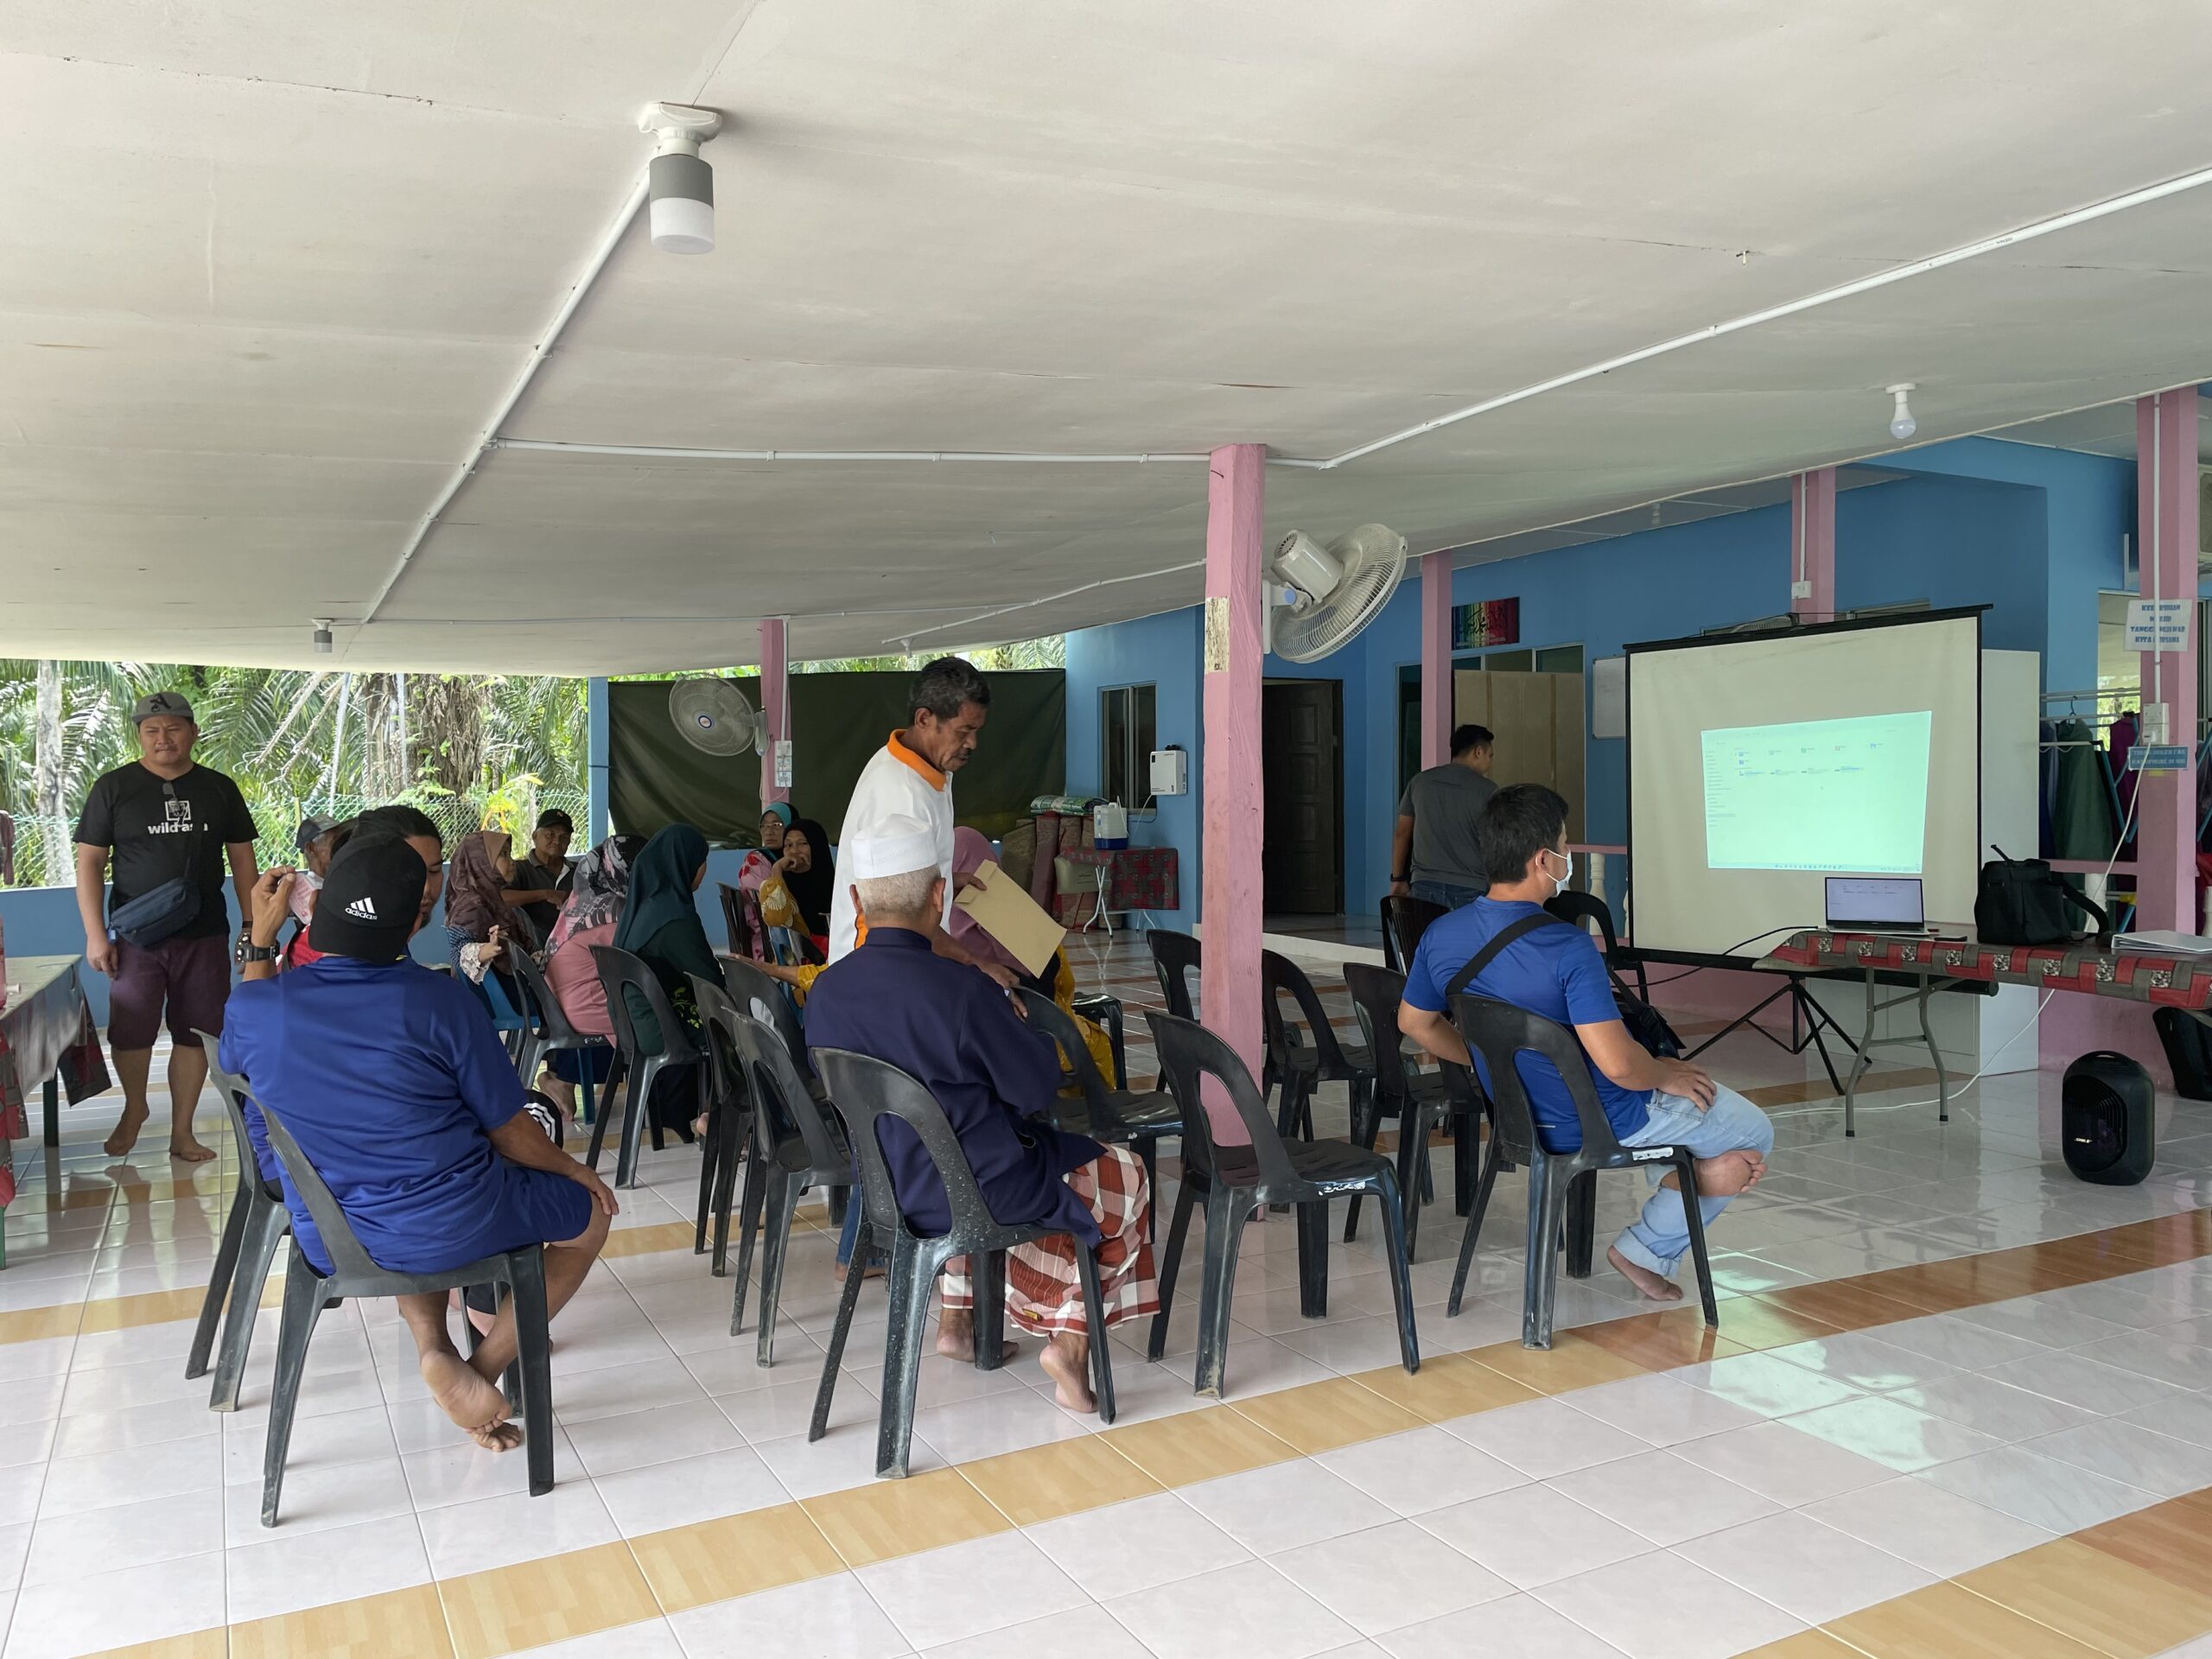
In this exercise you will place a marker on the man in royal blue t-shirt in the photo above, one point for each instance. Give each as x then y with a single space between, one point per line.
1555 972
394 1084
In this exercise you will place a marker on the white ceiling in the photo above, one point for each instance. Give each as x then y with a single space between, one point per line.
268 269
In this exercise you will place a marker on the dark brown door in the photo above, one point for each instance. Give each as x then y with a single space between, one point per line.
1301 761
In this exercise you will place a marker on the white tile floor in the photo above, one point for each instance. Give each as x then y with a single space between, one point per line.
1698 1513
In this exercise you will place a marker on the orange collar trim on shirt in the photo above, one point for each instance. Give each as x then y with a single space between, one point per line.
907 757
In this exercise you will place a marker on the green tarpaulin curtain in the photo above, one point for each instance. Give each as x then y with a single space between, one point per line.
655 777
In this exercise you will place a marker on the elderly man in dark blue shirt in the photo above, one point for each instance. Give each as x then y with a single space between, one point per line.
947 1024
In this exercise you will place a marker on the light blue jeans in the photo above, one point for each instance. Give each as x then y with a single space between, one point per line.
1657 1238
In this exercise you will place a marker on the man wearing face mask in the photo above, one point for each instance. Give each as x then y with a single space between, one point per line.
1553 970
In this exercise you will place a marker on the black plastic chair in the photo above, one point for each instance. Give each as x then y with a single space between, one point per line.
796 1146
620 970
528 1381
1420 1101
1175 960
257 1224
1104 1113
1405 918
734 921
767 998
1501 1033
868 1090
1104 1010
1304 1054
1233 1180
545 1028
729 1117
760 993
1582 908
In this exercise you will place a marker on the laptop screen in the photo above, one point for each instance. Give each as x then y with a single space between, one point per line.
1875 902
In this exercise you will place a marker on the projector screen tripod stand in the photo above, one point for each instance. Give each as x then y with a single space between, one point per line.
1806 1017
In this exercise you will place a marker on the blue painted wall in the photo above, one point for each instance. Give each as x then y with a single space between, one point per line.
2032 533
1164 652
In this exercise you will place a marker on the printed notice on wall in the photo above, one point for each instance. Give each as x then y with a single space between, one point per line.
1216 632
783 763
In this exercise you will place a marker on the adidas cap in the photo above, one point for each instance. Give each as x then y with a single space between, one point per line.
368 902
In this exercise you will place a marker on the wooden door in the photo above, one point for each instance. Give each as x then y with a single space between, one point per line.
1537 719
1301 762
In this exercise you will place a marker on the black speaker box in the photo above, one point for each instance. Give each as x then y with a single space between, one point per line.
2105 1123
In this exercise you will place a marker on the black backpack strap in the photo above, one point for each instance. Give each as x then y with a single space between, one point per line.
1489 953
2083 901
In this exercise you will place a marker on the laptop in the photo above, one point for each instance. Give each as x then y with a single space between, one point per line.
1876 904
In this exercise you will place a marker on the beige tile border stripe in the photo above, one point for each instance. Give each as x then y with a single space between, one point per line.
509 1609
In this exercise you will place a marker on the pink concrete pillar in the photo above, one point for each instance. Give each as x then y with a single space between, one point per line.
1811 545
1435 659
1235 648
2165 520
775 691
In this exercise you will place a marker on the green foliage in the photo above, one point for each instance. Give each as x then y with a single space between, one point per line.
299 740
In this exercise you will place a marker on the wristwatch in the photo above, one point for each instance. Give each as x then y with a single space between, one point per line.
247 951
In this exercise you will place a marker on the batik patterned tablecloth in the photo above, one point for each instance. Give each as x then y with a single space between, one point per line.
2163 980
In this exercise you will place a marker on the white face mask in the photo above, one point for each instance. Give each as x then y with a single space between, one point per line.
1559 882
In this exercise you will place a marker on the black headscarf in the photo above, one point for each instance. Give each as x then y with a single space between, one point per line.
815 888
660 885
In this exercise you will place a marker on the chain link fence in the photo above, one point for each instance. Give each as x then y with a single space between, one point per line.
46 850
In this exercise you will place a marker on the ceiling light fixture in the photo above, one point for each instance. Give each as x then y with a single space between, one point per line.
323 636
1902 425
682 187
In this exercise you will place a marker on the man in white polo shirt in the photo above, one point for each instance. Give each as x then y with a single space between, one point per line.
907 784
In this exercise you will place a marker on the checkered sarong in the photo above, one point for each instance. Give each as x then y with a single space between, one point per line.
1044 1292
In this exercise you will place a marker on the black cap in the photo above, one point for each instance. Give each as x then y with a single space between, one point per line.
368 905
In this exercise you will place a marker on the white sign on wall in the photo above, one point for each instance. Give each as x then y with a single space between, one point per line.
783 763
2158 624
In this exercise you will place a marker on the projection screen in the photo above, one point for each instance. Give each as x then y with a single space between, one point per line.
1761 763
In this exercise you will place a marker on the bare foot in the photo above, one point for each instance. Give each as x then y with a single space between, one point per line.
188 1150
1654 1287
561 1092
956 1338
1066 1360
126 1132
873 1270
1728 1173
498 1437
473 1402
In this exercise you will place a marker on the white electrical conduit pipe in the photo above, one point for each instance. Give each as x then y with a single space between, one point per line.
600 255
490 438
1008 457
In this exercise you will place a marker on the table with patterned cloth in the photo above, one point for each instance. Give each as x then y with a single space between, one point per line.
1129 878
2164 980
43 1015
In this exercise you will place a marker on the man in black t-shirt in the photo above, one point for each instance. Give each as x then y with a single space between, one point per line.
160 819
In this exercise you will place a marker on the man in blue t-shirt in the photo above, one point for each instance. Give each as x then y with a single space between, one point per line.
394 1084
1554 971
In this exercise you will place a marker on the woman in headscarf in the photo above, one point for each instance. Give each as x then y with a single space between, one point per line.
760 864
480 921
594 907
970 852
660 926
802 883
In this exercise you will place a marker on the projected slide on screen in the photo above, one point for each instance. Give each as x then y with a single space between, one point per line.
1847 794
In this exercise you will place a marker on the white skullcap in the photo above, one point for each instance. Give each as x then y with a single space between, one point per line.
899 846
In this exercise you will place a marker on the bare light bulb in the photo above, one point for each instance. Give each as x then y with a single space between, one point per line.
1902 425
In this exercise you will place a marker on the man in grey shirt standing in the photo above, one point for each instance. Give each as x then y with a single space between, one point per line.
1433 852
